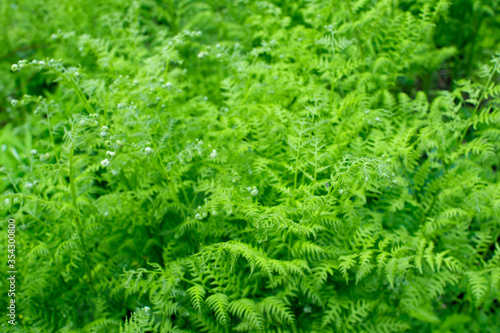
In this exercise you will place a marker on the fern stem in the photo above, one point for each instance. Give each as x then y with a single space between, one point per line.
493 70
81 96
12 182
413 192
51 135
77 220
297 157
349 10
173 189
290 241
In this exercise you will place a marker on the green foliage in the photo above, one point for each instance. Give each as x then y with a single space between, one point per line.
252 166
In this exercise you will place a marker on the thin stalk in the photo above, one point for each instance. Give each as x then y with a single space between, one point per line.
51 135
77 220
414 193
479 102
81 96
12 182
297 157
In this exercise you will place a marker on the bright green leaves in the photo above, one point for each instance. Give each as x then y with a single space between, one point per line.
283 166
219 303
197 294
247 310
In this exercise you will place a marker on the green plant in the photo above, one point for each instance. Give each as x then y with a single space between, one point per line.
248 166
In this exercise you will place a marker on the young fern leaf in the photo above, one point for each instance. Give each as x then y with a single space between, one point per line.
219 303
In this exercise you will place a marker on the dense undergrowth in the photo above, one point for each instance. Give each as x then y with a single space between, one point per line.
248 166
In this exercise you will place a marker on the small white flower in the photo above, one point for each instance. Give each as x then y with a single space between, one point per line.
168 84
214 213
377 119
147 310
14 102
307 309
34 152
254 192
41 63
136 82
198 216
110 153
213 154
29 185
148 151
105 128
341 191
15 68
53 36
105 162
103 134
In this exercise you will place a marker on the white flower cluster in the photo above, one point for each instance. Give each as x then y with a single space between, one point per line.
109 156
104 131
253 191
21 64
